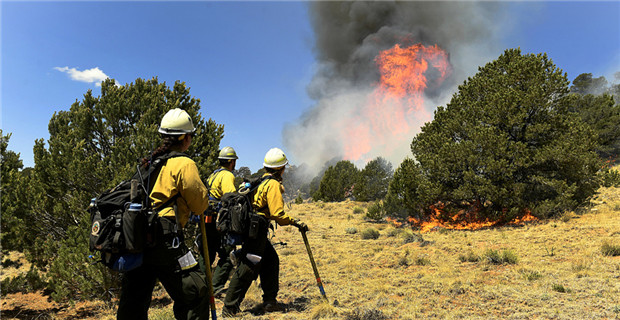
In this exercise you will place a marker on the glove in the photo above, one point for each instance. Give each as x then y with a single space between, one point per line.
301 226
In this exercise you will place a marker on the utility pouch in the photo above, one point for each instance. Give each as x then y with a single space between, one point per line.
134 227
127 262
254 226
153 229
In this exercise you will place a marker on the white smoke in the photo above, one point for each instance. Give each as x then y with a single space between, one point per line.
349 35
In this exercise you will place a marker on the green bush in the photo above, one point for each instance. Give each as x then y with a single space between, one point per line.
370 233
611 178
610 249
351 230
358 210
495 257
470 256
410 237
559 288
375 211
422 261
299 199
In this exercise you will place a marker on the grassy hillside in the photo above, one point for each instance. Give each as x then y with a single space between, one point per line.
560 269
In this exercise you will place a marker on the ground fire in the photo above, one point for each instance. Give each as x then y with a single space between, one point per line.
465 219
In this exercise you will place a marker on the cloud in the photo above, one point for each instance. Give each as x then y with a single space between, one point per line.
94 75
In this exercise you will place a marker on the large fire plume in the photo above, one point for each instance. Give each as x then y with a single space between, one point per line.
396 106
378 74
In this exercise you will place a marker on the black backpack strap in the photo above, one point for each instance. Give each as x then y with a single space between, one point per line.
152 170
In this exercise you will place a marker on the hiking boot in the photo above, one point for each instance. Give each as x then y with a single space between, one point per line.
273 306
229 313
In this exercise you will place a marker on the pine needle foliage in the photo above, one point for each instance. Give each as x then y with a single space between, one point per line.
93 146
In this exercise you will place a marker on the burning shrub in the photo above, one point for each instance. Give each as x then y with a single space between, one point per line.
506 143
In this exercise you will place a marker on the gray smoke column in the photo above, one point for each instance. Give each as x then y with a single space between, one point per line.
349 37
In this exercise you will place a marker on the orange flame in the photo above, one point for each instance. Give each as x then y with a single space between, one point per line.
464 220
394 222
397 102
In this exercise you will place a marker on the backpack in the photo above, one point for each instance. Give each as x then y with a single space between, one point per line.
237 219
122 220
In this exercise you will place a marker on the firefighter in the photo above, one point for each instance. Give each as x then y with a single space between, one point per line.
169 260
221 181
262 259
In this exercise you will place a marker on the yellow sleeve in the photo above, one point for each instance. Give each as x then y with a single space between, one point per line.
270 203
192 190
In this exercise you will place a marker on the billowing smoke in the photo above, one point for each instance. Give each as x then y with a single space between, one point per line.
349 36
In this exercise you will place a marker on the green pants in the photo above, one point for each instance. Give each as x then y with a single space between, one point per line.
187 288
223 269
268 269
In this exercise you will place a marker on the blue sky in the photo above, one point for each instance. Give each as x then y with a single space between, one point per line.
248 62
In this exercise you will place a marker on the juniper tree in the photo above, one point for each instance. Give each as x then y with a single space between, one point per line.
596 102
337 182
93 146
508 140
372 181
409 191
14 193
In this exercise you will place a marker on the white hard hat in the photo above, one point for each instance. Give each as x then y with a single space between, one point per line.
227 153
176 122
275 158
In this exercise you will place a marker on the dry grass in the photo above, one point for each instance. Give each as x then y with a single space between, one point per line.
558 269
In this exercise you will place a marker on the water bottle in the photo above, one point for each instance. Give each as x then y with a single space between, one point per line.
92 205
135 207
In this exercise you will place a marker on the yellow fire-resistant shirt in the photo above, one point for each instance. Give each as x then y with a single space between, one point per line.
269 202
221 182
180 175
